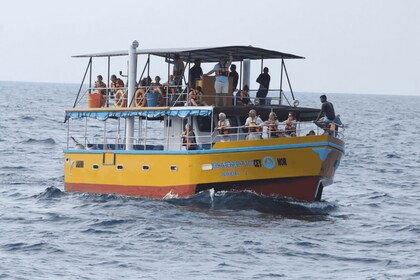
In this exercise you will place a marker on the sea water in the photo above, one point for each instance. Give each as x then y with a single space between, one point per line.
367 225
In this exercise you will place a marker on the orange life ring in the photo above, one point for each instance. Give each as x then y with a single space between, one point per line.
120 99
140 97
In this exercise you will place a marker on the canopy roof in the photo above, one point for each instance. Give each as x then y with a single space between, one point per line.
205 54
105 113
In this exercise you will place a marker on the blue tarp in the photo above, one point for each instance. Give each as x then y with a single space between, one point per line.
104 115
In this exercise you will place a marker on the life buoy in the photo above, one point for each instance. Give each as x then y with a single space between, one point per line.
120 99
140 97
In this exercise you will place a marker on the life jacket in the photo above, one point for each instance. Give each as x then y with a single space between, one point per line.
99 85
289 128
273 129
222 129
253 127
223 70
118 84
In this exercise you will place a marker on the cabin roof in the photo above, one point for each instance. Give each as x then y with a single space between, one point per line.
213 54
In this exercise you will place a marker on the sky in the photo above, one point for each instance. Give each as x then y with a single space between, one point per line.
357 46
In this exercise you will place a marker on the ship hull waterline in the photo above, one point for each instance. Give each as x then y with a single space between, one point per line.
294 168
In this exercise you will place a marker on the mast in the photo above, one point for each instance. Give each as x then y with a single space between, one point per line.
132 75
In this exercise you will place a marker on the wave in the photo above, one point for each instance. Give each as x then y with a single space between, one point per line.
51 192
47 141
250 201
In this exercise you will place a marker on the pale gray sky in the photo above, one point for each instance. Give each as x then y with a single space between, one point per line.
357 46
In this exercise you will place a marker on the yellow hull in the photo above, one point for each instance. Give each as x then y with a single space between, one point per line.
292 167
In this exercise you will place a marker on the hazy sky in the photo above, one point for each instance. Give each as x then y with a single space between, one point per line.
357 46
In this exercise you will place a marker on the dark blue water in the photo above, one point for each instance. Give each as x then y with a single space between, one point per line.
366 227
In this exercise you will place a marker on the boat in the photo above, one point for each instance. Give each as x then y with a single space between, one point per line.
137 149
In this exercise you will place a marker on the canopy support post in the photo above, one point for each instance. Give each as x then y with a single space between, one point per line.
132 66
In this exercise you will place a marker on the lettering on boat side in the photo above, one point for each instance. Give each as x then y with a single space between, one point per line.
79 163
267 162
230 173
281 161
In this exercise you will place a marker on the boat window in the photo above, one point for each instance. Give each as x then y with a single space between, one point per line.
120 167
204 124
174 168
95 166
145 167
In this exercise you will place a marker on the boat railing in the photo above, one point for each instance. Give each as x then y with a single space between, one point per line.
155 96
202 142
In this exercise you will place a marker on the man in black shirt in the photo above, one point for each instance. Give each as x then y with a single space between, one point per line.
235 77
195 73
264 81
327 109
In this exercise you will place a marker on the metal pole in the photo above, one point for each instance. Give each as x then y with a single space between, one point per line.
288 81
83 80
132 58
108 84
247 72
281 80
90 76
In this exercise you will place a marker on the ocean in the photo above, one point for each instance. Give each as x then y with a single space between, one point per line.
367 225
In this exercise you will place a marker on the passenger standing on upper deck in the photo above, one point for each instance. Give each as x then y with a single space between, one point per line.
221 84
327 109
235 77
178 69
264 81
195 73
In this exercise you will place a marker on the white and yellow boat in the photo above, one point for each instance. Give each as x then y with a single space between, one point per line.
138 150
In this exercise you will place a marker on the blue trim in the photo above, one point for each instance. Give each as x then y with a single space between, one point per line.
104 115
222 151
322 152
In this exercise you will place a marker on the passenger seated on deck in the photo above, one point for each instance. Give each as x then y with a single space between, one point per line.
290 125
100 87
244 98
188 138
253 124
116 83
196 97
273 126
223 126
327 110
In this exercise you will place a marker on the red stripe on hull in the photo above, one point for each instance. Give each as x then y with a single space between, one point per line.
147 191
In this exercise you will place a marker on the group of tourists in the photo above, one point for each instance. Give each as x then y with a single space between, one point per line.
254 126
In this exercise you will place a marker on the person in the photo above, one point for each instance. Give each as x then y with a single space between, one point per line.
196 97
157 82
195 73
273 125
244 98
310 133
223 127
290 125
100 87
327 110
188 138
264 81
221 84
178 69
116 83
235 77
253 123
